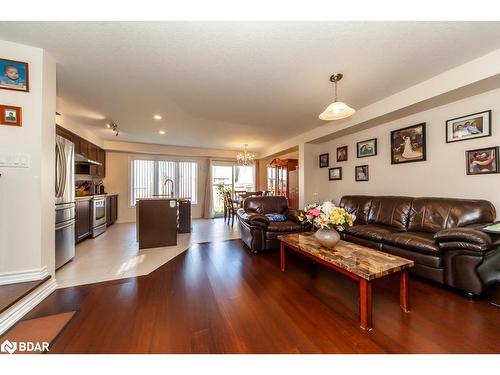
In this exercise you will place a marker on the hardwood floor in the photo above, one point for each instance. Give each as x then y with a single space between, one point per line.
218 298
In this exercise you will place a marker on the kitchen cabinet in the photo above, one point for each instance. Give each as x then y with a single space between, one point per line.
83 223
156 222
281 180
92 150
87 150
84 147
101 158
111 209
69 136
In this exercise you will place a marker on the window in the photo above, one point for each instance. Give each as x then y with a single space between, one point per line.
151 177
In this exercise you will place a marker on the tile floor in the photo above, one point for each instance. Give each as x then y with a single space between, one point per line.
116 255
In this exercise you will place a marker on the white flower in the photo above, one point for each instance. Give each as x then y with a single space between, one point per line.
327 207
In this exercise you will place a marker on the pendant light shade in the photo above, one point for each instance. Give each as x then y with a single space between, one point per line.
337 110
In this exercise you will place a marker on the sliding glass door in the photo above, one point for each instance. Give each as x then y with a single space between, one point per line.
232 177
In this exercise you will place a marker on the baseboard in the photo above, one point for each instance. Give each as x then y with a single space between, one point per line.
23 276
11 316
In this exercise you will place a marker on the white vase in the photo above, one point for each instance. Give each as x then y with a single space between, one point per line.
327 237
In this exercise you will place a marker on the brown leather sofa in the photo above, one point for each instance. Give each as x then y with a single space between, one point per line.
257 231
439 234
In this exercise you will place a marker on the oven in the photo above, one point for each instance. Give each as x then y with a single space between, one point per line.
99 215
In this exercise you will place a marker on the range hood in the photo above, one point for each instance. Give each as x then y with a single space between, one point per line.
82 160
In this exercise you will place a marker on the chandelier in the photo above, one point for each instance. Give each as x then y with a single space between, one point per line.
245 158
337 110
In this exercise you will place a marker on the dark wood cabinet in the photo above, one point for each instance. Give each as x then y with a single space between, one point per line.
111 209
279 179
84 147
92 149
83 218
87 150
101 158
156 221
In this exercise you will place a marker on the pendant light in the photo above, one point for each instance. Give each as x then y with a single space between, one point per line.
337 110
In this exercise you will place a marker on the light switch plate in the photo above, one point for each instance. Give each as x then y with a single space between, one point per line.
15 160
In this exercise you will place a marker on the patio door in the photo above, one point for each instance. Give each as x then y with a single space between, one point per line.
232 177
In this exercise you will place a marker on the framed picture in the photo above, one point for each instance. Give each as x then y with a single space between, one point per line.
335 174
10 115
323 160
477 125
342 153
482 161
14 75
408 144
367 148
361 173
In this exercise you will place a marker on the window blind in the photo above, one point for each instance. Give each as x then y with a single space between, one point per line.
151 177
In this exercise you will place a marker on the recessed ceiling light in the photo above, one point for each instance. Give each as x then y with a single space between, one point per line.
157 117
162 132
108 126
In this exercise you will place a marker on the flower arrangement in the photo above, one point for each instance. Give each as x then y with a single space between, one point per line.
327 216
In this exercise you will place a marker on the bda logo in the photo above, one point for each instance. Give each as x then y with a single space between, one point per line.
9 347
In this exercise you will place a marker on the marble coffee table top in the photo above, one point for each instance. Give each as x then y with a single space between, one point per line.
360 260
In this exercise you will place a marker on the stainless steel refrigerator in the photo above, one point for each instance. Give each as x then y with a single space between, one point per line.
65 201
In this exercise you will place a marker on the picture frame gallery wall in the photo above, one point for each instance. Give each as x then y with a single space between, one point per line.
446 155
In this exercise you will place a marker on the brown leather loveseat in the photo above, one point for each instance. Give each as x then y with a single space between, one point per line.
440 235
258 232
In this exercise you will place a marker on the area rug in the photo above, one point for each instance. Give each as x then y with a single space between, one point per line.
34 335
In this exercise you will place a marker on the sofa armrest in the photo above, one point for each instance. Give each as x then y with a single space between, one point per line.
464 238
293 215
253 218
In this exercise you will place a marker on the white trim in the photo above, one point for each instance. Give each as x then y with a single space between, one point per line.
14 313
23 276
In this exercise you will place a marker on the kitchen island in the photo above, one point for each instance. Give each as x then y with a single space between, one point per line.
158 219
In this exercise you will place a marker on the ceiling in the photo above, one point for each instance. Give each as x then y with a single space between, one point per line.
223 84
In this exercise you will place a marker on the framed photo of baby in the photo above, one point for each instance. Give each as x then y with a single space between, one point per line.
408 144
477 125
482 161
14 75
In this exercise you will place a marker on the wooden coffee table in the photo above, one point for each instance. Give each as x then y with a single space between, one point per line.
355 261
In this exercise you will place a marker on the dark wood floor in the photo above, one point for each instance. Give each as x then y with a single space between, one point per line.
218 298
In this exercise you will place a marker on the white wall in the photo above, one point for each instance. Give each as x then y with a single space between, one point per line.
443 174
27 194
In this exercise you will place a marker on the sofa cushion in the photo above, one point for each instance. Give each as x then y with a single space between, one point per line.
358 205
421 242
435 261
434 214
371 232
391 211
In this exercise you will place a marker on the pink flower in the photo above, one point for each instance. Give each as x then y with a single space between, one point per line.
315 212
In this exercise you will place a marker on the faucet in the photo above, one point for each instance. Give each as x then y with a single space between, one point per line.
171 187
